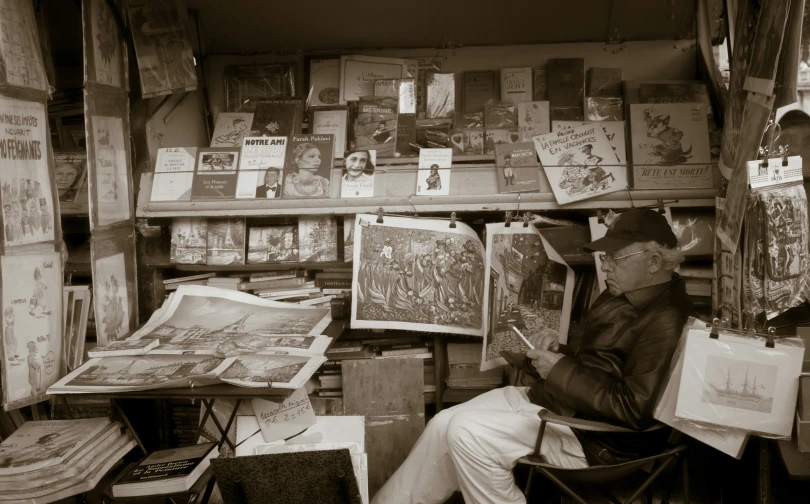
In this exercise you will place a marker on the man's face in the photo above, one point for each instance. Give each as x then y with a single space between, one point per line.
628 273
270 177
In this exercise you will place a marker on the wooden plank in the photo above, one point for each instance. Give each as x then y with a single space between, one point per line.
440 369
389 393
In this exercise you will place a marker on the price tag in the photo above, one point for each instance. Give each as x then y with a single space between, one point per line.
286 419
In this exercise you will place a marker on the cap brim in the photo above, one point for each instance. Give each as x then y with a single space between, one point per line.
607 243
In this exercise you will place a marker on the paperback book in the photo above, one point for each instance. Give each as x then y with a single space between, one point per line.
331 121
433 174
215 175
403 90
71 172
278 117
260 168
441 95
518 168
324 81
516 85
226 242
579 163
308 166
272 244
477 89
231 128
670 146
376 125
174 174
566 88
166 471
189 238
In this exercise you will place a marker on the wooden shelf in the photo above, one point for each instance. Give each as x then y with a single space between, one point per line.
464 177
163 262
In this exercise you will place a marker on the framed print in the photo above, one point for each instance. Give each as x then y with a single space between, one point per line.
28 191
108 155
32 332
357 74
115 294
20 50
105 52
331 120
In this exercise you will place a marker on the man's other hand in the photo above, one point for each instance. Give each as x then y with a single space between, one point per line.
543 360
545 339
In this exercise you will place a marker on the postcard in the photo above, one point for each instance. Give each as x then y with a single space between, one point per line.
272 244
189 239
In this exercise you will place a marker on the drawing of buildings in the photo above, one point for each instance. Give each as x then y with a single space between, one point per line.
101 375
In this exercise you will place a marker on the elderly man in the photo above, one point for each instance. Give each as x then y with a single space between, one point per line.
630 334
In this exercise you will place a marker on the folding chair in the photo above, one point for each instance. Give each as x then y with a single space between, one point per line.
598 475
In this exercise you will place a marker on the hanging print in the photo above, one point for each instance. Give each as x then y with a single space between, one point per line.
418 275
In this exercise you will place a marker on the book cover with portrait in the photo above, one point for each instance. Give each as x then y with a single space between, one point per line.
215 173
308 166
376 125
358 174
71 171
260 168
518 168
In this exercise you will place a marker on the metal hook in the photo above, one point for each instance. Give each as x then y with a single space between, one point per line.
785 155
410 200
453 220
380 215
517 212
630 196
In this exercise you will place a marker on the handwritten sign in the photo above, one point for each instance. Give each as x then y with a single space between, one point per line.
285 419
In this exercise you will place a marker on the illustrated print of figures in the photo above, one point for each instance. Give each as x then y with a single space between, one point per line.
669 151
38 305
434 180
34 368
234 137
26 214
8 334
508 170
113 309
588 176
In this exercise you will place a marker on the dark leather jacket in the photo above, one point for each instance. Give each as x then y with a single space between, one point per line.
616 374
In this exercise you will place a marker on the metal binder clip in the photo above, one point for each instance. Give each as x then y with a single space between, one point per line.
600 218
453 220
526 219
771 332
508 219
191 384
661 206
715 334
725 322
785 155
379 215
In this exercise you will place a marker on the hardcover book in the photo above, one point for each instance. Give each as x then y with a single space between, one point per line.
231 128
604 82
670 146
331 121
441 95
477 89
189 239
272 244
540 88
604 108
71 172
174 174
518 168
376 125
433 175
402 89
215 175
308 166
516 85
226 242
578 161
566 88
124 347
166 471
317 237
358 73
324 81
260 167
278 117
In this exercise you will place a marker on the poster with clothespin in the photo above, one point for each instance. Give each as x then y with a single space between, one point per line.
281 420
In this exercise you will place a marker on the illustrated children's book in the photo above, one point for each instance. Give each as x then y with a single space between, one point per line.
518 168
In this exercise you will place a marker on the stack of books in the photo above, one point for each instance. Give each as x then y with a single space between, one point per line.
698 279
228 282
185 418
334 281
330 379
46 461
174 283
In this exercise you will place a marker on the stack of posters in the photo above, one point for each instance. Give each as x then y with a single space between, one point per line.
51 460
209 335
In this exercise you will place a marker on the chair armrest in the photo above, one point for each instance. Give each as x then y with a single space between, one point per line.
589 425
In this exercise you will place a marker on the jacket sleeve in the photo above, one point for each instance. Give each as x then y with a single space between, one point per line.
629 400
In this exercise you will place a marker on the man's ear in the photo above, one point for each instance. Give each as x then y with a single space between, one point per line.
656 262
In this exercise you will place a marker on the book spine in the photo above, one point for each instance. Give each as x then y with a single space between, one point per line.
334 283
405 351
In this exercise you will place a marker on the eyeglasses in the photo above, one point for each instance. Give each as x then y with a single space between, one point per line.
608 257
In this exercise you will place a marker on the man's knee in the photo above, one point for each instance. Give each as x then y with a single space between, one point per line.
461 430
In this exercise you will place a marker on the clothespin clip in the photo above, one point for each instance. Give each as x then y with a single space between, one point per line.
508 219
661 206
715 334
725 322
785 155
771 136
191 384
379 215
771 332
600 218
453 220
526 219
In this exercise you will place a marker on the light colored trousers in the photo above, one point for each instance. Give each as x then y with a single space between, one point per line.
474 447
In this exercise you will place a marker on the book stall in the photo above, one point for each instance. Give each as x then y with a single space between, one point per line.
291 261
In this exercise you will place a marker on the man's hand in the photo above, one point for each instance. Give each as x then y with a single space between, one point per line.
543 360
545 339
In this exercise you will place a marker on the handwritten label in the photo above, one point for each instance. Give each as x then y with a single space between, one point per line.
285 419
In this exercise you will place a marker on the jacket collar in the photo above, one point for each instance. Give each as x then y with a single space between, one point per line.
643 297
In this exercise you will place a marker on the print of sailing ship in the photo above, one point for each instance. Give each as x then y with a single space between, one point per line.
748 395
